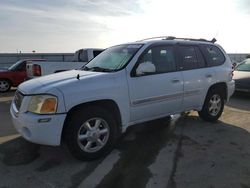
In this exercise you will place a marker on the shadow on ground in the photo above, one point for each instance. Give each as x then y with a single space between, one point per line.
208 155
138 147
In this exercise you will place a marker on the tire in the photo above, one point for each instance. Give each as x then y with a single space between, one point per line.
5 85
213 106
91 133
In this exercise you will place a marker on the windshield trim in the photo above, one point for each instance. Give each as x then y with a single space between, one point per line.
125 65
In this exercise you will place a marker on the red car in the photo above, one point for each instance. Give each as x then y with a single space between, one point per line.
14 75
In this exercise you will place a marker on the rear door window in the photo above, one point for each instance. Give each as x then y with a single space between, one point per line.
191 57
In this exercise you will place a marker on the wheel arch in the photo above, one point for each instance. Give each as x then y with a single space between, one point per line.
108 104
204 113
222 86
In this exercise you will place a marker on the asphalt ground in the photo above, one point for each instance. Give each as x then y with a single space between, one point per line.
6 127
178 153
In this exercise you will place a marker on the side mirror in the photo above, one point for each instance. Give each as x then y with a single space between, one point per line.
145 68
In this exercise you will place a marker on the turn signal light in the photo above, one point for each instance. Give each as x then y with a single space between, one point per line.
49 105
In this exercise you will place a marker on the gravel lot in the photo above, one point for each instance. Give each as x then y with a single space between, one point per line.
185 152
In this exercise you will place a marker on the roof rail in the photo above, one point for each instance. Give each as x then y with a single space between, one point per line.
151 38
177 38
192 39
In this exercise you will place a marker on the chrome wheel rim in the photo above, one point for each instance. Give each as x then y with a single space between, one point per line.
4 85
214 105
93 135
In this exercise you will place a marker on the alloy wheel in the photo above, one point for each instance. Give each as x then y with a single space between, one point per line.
93 135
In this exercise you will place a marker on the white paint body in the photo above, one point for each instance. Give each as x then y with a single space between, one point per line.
139 99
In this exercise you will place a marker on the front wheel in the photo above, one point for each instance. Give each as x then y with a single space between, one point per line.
4 85
91 133
213 106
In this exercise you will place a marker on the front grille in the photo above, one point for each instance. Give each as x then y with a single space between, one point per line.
18 99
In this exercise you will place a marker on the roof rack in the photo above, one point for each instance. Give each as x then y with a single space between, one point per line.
177 38
152 38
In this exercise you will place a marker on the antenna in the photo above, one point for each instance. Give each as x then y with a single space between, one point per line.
213 40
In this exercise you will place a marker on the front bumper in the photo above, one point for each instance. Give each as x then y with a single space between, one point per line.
39 129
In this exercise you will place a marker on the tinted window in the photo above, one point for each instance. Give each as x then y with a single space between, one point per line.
162 58
22 66
188 57
200 58
97 52
191 57
16 65
213 55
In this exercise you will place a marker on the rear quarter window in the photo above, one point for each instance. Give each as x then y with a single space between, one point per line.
214 56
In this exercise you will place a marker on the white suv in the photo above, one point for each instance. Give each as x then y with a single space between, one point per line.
125 85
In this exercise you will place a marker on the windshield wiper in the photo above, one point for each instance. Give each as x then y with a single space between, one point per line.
84 68
98 69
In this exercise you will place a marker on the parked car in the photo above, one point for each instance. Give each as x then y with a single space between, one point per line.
14 75
126 84
81 58
242 76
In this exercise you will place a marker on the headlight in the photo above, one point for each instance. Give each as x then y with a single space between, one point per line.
43 104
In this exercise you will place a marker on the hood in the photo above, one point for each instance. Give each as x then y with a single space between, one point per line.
49 82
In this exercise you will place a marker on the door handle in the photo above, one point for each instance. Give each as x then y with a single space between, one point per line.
175 80
209 75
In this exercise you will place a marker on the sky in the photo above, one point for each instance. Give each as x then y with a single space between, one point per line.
67 25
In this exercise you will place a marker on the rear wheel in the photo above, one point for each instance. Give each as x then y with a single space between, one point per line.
213 106
91 133
4 85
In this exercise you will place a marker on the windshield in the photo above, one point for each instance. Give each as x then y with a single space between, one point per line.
15 65
114 58
245 66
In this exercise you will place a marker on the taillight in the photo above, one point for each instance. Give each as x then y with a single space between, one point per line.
36 70
232 72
